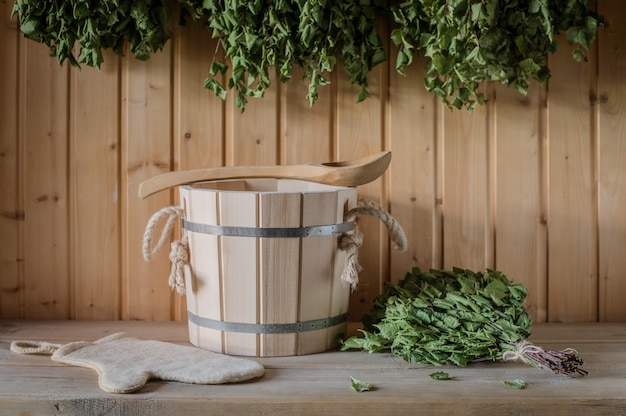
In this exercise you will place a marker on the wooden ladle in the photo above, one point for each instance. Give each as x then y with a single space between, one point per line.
346 173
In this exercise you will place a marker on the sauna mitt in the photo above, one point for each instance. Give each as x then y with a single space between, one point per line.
124 364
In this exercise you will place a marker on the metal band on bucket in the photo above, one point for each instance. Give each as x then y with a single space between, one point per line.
295 327
268 232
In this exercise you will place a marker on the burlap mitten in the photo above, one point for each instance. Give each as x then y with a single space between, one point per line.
124 364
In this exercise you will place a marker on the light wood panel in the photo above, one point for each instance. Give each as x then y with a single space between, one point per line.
252 136
519 178
307 132
412 132
11 211
466 198
532 186
572 220
199 124
279 268
94 191
612 163
146 151
203 284
242 286
43 126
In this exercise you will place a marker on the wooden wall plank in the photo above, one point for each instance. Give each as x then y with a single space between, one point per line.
94 191
520 224
198 113
44 137
11 213
306 132
412 131
612 162
252 136
572 245
146 151
466 191
360 132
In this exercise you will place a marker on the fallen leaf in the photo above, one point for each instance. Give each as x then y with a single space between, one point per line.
360 386
440 375
516 384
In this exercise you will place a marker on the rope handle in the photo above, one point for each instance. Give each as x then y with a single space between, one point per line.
179 253
350 242
34 347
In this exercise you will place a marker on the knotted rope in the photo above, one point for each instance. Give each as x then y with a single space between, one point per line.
565 361
349 242
352 242
522 351
34 347
179 256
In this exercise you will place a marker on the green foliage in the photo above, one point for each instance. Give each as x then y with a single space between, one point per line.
471 41
95 25
261 35
446 317
466 42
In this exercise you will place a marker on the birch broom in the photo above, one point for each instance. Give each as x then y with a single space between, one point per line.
457 317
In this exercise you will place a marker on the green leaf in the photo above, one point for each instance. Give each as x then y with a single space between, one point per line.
397 37
360 386
497 291
218 68
516 384
477 12
28 27
440 375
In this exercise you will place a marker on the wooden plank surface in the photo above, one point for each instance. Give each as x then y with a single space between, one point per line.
146 151
520 216
239 265
11 212
612 166
319 383
95 191
198 113
43 162
572 215
203 285
279 270
306 132
466 235
252 136
413 174
316 267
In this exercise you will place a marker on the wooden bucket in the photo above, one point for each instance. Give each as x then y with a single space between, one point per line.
265 267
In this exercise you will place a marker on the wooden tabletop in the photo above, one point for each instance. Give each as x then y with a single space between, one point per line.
318 384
